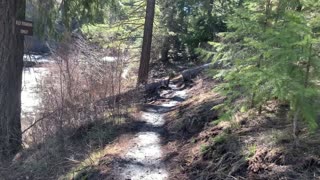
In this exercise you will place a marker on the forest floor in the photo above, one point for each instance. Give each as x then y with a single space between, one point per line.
249 146
190 141
178 135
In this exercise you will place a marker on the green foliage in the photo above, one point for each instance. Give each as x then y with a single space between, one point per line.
189 24
271 52
204 148
220 138
53 17
121 31
251 151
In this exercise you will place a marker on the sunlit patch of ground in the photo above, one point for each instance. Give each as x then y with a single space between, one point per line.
93 163
248 146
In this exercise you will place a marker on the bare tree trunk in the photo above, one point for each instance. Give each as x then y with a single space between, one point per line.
146 45
295 127
210 18
169 20
11 64
165 49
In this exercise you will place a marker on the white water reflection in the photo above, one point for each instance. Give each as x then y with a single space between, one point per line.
30 98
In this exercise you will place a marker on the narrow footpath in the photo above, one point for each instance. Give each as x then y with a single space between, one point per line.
143 160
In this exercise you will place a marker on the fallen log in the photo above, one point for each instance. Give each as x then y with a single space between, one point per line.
186 75
189 74
155 86
149 89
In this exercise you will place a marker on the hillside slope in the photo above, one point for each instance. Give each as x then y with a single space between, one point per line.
249 146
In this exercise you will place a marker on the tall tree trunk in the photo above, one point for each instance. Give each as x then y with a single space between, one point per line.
295 127
11 64
168 19
210 19
147 40
165 49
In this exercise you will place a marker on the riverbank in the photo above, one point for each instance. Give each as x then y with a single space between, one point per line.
36 60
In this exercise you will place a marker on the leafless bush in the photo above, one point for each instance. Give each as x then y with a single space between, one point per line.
79 78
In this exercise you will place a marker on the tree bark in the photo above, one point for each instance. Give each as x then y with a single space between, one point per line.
146 45
165 49
295 127
210 19
169 21
11 64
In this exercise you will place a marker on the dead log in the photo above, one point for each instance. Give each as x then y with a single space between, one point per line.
189 74
151 89
186 75
155 86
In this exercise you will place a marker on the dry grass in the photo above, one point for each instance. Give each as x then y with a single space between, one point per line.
99 161
248 146
186 118
85 105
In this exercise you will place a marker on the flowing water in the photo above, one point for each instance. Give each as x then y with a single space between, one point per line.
30 99
32 77
30 82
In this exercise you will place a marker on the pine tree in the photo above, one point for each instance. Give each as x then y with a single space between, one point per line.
146 45
270 53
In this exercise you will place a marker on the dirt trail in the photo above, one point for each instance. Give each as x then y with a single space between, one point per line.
143 160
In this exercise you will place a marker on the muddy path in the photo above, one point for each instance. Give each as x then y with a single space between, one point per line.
143 160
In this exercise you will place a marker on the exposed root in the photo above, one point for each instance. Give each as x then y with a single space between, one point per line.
223 159
238 166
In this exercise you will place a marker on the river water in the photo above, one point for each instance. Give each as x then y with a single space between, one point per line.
30 94
32 78
30 99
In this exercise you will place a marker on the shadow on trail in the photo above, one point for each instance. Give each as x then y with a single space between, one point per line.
150 108
144 159
190 120
40 162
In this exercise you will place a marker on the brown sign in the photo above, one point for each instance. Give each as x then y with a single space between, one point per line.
24 27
